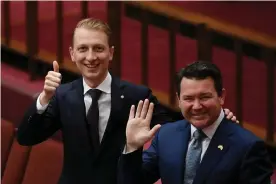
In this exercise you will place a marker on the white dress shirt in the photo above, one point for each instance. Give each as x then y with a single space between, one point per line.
104 103
209 132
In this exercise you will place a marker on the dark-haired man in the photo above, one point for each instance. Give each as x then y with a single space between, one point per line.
205 148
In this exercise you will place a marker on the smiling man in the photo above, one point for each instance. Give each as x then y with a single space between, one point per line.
205 148
92 111
91 51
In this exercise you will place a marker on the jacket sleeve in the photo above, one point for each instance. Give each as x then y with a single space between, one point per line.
36 127
256 166
139 167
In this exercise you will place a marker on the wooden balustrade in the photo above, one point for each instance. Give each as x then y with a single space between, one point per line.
32 35
59 25
207 33
7 30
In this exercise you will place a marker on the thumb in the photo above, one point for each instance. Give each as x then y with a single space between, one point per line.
56 66
154 130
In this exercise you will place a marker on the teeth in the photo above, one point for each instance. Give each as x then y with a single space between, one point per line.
91 66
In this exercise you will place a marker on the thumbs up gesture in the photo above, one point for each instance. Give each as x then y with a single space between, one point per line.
52 81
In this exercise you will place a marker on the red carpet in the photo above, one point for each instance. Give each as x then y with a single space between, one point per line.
254 79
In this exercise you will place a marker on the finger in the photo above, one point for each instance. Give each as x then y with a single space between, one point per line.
139 109
49 88
153 131
131 112
53 78
145 109
150 112
51 83
54 74
238 122
230 115
56 66
234 118
226 111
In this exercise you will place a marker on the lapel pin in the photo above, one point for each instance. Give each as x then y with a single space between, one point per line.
220 147
122 96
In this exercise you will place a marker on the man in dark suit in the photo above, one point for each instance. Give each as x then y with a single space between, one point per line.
91 112
205 148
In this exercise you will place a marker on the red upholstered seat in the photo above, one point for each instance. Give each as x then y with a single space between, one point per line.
16 163
45 163
7 133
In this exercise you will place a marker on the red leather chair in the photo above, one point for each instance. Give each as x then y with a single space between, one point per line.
7 134
16 164
45 163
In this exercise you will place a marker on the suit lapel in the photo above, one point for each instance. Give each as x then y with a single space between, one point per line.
77 112
77 96
217 148
77 99
181 139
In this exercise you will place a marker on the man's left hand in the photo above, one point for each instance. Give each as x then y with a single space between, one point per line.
230 115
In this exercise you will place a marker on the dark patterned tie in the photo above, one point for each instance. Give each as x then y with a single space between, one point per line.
93 118
193 156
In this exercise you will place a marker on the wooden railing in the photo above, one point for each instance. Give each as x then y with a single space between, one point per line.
206 31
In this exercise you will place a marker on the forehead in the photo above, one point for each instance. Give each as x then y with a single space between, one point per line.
89 36
194 86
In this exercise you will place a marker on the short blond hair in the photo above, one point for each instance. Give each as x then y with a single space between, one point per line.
96 24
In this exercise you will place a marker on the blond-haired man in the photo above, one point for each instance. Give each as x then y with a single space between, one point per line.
92 112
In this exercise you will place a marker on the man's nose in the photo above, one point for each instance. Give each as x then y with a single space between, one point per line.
91 55
197 105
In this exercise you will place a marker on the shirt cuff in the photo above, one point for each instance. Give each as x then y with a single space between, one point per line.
124 152
39 107
127 152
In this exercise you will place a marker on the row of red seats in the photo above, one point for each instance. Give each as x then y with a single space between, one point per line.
29 165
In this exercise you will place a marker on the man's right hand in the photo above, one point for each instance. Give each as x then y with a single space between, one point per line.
52 81
138 130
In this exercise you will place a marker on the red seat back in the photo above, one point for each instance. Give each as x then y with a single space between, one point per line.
45 163
16 164
7 134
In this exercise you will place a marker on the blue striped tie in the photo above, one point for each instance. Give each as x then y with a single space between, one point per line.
193 157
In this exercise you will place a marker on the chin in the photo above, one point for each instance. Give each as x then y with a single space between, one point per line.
199 123
90 74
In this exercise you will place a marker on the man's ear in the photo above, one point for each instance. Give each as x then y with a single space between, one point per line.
111 52
222 97
178 99
71 51
177 96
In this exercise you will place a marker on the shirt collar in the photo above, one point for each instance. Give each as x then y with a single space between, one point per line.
105 86
210 130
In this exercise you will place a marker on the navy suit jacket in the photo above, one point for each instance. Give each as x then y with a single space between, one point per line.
243 159
66 112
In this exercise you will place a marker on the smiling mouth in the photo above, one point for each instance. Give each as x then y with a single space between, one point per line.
91 66
198 115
